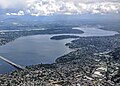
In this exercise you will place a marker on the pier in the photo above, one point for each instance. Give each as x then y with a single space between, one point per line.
19 67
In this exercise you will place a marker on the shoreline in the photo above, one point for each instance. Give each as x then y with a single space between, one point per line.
90 63
64 45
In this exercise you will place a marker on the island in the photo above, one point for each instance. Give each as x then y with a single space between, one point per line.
94 62
9 36
60 37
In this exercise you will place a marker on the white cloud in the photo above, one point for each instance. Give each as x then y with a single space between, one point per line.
45 7
68 7
8 14
20 13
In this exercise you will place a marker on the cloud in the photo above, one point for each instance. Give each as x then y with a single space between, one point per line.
16 4
68 7
50 7
90 1
20 13
5 4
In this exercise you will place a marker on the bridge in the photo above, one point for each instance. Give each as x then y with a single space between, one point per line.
19 67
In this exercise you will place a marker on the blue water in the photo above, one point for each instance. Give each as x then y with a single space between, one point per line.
37 49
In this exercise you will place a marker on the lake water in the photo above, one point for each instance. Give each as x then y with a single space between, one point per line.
37 49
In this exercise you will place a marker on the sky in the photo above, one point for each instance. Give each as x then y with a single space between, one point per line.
5 4
23 3
68 7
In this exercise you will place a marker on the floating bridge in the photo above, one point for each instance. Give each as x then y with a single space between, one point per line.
19 67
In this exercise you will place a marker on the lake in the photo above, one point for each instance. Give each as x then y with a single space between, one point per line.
36 49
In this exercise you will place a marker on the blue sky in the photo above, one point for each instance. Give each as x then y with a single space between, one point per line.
68 7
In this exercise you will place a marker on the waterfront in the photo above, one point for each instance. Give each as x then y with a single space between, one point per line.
36 49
